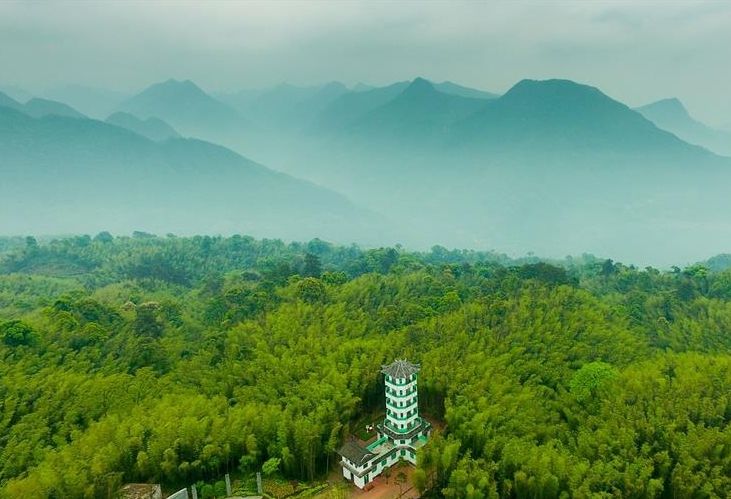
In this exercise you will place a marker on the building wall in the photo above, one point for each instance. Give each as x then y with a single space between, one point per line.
400 390
394 385
408 422
181 494
403 452
394 413
359 481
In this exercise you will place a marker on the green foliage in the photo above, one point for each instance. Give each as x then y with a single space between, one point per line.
587 379
311 290
312 266
590 378
271 466
15 333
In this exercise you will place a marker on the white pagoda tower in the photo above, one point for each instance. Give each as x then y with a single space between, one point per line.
400 434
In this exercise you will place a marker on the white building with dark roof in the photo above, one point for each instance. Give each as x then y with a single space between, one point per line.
400 433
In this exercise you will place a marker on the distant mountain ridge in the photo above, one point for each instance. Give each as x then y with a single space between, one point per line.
290 106
9 102
671 115
79 175
325 106
550 165
452 88
16 93
556 114
38 108
91 101
548 115
553 166
418 111
183 105
351 107
152 128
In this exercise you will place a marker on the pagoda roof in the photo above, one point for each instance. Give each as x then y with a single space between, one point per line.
355 453
394 435
400 369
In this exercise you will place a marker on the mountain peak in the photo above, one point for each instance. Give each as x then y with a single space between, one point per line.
559 96
172 89
666 108
553 87
335 85
7 101
672 101
420 84
420 88
39 108
671 115
182 104
563 115
176 85
419 110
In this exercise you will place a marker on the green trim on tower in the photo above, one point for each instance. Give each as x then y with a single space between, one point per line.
405 407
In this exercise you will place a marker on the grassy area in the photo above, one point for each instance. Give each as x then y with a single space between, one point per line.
274 487
360 425
335 491
279 488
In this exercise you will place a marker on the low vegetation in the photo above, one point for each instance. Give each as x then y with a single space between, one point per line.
177 360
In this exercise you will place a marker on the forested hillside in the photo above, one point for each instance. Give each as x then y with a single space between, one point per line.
179 359
66 175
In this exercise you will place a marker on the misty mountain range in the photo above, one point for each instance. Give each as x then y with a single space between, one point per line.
77 175
553 167
671 115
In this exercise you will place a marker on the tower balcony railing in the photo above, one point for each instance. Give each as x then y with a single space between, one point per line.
395 393
393 416
398 389
408 404
390 426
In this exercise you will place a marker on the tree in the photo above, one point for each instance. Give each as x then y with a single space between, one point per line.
31 244
311 290
550 274
590 378
146 322
608 268
312 267
104 237
420 480
16 333
271 466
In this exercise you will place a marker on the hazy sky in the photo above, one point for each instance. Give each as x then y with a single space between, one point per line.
635 51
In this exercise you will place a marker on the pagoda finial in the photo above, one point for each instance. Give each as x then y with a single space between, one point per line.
400 368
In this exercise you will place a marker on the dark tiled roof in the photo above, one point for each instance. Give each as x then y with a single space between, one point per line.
423 425
400 369
355 453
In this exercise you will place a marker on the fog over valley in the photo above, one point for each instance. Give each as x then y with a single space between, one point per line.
556 165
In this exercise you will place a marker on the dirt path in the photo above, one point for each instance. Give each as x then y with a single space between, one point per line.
391 490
